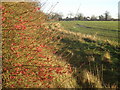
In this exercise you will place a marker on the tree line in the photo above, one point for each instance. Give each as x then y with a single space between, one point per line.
59 17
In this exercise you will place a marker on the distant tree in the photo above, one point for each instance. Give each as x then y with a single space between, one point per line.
93 17
60 16
88 18
80 16
107 15
55 16
70 14
101 18
66 17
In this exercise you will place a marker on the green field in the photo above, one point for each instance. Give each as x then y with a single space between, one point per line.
102 29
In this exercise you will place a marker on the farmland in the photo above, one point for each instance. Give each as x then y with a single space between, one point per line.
101 29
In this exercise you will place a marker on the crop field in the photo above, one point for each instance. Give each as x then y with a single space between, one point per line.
101 29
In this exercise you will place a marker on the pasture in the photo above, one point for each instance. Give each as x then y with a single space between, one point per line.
105 30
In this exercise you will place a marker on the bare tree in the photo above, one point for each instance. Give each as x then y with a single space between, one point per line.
55 16
80 16
101 18
70 15
107 16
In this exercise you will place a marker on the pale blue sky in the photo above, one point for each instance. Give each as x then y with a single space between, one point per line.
87 7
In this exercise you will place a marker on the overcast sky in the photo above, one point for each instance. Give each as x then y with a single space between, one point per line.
86 7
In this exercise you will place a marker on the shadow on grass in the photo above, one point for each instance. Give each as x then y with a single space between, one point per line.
89 56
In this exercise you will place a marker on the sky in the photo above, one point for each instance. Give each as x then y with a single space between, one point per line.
86 7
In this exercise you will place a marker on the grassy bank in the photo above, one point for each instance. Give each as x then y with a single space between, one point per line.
96 58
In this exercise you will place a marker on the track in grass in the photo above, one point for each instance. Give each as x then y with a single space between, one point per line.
101 29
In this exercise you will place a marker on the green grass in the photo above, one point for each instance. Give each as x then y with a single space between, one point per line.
102 29
90 56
